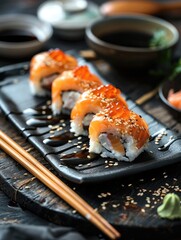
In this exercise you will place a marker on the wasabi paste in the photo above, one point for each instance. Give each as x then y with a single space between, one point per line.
170 208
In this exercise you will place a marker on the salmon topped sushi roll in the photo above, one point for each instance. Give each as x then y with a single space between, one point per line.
90 103
118 133
68 87
45 67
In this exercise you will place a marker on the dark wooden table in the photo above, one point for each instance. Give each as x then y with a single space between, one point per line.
12 213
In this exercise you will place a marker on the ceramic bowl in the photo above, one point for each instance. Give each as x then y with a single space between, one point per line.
164 89
68 25
22 23
128 56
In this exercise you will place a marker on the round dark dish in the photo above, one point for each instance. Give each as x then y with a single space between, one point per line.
22 35
163 93
123 40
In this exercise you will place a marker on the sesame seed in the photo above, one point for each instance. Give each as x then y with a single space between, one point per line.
147 205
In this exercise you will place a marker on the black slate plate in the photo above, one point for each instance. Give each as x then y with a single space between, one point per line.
66 155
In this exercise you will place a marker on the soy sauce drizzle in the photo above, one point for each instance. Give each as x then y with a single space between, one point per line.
37 111
153 136
59 128
168 144
79 157
43 121
59 139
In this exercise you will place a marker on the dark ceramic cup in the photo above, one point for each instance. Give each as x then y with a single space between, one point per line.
124 54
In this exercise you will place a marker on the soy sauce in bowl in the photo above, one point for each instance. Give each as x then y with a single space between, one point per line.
128 39
132 42
17 36
22 35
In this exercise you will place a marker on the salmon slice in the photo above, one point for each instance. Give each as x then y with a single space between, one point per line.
46 66
118 133
92 102
69 82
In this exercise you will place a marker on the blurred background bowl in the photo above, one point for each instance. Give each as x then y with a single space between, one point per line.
164 89
22 35
67 24
128 50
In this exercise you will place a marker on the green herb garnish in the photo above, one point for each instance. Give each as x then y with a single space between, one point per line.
158 39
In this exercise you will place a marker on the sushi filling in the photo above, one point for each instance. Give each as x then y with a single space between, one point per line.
43 88
69 98
112 146
118 147
81 128
87 119
46 82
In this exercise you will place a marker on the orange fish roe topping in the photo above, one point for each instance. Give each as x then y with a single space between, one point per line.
87 85
107 91
83 72
125 121
103 96
57 55
49 63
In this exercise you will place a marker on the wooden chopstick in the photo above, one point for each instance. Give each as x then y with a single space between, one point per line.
56 185
147 96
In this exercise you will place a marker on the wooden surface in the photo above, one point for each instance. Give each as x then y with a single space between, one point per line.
127 203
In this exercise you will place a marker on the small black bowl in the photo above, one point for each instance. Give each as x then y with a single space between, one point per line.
163 93
129 55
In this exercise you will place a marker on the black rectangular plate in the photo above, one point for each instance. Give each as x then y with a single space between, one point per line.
15 98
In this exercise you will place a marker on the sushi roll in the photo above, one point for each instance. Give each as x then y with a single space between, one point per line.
67 88
90 103
118 133
45 67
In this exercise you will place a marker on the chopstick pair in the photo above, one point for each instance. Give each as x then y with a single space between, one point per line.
56 185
